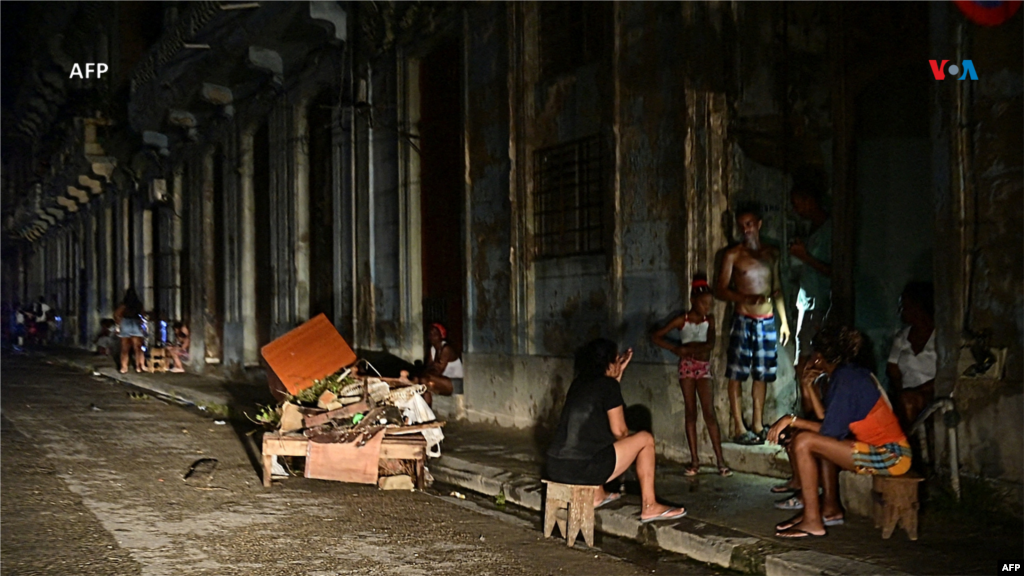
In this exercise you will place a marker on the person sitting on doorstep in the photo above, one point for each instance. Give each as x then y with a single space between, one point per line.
105 341
179 348
592 445
860 431
696 341
442 365
912 360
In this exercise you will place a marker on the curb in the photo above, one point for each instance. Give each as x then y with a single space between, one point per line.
204 401
701 541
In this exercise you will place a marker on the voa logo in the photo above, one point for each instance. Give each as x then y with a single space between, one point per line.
939 69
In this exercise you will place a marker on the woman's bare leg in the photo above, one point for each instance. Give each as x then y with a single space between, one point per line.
690 405
140 358
639 447
808 448
125 344
440 384
707 407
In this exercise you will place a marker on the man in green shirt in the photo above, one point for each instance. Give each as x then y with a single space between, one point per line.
814 297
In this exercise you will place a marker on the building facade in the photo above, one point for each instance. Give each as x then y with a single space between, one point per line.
533 175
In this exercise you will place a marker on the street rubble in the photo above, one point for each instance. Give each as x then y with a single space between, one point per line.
348 426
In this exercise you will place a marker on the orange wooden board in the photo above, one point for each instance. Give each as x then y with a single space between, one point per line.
307 353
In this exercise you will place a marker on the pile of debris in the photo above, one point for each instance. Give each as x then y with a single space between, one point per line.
338 418
345 407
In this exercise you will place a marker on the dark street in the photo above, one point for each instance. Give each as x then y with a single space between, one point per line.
92 485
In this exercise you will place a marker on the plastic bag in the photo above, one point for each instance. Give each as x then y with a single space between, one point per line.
416 411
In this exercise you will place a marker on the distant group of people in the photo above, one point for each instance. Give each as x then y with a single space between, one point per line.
127 331
35 324
847 419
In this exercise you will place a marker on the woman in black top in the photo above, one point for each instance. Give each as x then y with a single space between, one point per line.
592 444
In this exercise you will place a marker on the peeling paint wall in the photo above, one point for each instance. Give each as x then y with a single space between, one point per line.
993 285
488 324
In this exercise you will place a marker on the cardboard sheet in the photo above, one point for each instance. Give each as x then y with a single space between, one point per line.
344 462
307 353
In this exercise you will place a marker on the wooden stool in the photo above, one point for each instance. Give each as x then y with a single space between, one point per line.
159 361
572 508
895 500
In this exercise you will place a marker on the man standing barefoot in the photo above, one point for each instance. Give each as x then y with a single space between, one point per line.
750 278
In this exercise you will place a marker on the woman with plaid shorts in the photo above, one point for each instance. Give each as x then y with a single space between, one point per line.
860 431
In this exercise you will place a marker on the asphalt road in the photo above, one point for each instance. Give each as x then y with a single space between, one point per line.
92 484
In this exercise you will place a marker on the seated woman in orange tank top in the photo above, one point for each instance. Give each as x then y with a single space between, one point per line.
860 431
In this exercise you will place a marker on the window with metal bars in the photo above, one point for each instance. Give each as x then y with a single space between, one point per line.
570 196
572 34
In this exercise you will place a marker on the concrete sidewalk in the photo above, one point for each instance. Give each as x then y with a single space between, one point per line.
730 522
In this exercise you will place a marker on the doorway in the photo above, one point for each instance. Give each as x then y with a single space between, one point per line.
442 184
894 197
319 117
261 208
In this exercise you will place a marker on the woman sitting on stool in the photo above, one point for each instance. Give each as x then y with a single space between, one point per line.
860 432
592 445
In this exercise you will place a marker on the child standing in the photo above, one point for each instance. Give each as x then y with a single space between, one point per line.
697 339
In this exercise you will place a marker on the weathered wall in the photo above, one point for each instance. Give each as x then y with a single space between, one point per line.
993 410
488 325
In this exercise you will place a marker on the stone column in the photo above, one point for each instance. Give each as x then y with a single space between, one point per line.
300 148
91 305
250 348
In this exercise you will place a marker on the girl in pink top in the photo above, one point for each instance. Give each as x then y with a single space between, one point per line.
696 341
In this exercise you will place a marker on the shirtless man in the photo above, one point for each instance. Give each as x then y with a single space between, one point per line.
753 270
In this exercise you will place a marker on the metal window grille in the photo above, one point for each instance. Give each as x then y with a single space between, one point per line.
569 202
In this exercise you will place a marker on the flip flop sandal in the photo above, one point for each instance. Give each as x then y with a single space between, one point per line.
691 470
666 515
609 499
787 524
783 526
783 489
798 533
791 503
724 471
748 438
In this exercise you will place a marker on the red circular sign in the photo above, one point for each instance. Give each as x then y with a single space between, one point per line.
988 12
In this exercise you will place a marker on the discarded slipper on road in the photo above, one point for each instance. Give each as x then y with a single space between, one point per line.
670 514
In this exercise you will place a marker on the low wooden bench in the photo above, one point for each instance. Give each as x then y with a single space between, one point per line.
393 447
895 501
570 506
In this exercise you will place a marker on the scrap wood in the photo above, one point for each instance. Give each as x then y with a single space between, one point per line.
393 430
343 412
291 417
